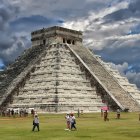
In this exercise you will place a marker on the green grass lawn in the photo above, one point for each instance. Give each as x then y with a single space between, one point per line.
89 127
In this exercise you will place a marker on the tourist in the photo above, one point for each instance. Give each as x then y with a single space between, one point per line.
67 117
36 122
32 112
106 116
101 112
118 113
78 113
8 112
12 112
20 112
73 121
139 117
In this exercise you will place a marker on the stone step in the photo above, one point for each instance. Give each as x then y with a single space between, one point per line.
59 79
59 84
53 104
59 95
59 91
61 101
58 64
59 87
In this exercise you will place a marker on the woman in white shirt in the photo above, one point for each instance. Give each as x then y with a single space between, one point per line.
67 117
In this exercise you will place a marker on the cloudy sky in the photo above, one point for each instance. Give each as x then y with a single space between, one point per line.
110 27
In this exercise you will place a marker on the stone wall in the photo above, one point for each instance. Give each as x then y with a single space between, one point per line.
14 69
62 35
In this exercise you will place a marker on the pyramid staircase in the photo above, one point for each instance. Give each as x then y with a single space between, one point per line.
131 89
108 81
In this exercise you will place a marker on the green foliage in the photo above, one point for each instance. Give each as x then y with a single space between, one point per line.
89 127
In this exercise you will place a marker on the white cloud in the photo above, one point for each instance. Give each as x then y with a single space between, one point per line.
97 34
134 78
85 22
121 68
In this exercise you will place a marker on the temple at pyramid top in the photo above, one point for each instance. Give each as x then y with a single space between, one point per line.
58 74
56 34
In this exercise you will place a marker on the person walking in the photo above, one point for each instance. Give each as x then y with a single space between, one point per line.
67 117
106 116
78 113
118 113
36 122
73 121
101 112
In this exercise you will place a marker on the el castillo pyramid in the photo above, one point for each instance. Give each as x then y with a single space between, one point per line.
59 74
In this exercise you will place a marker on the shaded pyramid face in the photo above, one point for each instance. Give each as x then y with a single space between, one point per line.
58 84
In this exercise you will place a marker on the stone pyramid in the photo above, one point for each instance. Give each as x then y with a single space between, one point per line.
58 74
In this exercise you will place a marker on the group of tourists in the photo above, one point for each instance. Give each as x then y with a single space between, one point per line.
70 121
14 112
104 114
